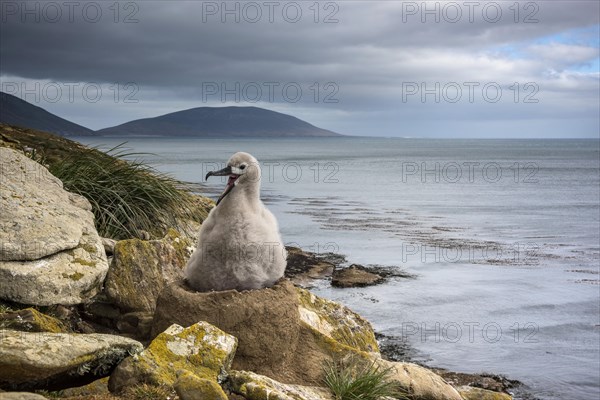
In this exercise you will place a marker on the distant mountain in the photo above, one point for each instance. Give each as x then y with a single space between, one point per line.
14 111
219 122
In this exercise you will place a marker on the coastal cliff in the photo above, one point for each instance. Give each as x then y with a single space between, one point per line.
87 312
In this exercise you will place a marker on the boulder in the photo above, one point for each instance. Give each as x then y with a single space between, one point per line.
473 393
55 361
420 383
140 269
284 333
201 349
336 322
354 276
31 320
258 387
191 387
50 252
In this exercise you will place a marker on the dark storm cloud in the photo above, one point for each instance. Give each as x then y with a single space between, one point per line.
176 48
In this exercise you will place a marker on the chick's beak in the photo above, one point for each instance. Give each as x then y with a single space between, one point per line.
230 182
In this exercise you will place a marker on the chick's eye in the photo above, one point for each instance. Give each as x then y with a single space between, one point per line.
242 167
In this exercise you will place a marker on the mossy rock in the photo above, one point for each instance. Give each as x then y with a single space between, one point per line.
337 322
190 387
31 320
284 333
140 269
201 349
473 393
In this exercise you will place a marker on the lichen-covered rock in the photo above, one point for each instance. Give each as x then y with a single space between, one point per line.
39 217
265 322
140 269
258 387
420 383
58 360
336 322
201 349
31 320
190 387
283 333
50 252
473 393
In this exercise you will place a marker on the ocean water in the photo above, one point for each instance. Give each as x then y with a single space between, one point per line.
502 236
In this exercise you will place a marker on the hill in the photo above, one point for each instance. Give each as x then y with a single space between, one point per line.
219 122
14 111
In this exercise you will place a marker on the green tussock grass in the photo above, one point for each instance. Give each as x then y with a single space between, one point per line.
356 379
128 197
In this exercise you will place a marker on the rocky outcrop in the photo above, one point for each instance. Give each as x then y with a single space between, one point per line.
258 387
58 360
140 269
31 320
303 267
354 276
473 393
284 333
201 349
50 252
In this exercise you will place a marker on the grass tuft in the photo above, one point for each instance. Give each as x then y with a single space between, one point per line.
128 197
356 379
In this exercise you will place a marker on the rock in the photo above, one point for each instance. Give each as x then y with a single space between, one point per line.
303 267
55 361
283 332
473 393
420 383
257 387
39 218
190 387
140 269
354 276
495 383
96 388
137 323
336 322
201 349
31 320
50 252
21 396
265 321
109 246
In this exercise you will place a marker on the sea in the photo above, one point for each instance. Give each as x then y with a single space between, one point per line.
501 238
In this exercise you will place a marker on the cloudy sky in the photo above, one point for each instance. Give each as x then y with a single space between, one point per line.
382 68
